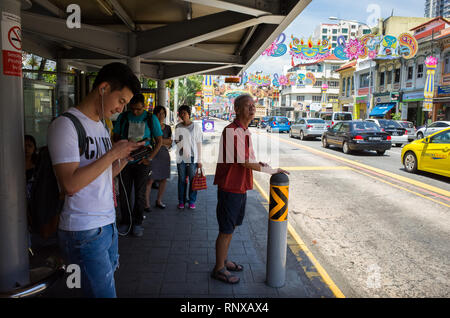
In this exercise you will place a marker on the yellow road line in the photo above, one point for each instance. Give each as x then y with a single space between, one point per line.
402 188
386 173
326 278
316 168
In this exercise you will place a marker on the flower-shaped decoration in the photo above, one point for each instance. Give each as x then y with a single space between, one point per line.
372 54
271 49
354 49
431 62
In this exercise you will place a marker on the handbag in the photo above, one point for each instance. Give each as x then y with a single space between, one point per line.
199 181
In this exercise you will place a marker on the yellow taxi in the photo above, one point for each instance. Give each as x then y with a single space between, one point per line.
430 154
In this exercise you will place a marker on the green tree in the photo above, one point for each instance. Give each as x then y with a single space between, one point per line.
187 87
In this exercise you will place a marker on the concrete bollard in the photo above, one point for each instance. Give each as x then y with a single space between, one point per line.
277 232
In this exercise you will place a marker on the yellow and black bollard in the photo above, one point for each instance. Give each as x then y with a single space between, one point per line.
277 232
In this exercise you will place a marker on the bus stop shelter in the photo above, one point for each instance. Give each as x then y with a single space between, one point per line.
158 39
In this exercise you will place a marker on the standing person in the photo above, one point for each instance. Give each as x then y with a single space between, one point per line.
136 124
87 231
188 138
161 162
234 176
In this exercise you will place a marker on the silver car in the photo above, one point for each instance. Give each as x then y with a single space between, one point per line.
308 128
410 129
431 129
399 135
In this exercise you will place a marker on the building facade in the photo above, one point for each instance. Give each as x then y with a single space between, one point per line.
331 32
307 96
436 8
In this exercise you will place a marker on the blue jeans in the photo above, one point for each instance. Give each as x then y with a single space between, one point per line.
96 252
186 169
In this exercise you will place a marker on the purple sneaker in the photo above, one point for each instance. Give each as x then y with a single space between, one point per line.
181 206
192 206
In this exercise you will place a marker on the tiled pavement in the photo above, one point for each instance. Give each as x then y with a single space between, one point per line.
175 256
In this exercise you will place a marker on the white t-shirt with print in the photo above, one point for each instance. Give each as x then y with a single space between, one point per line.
189 137
92 206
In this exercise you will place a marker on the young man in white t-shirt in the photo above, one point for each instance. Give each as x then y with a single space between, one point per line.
87 230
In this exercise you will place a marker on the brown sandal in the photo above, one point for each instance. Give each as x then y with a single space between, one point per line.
222 276
236 267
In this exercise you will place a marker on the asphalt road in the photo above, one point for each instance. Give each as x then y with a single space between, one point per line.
377 230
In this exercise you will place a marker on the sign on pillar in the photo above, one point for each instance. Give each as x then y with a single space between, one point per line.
11 44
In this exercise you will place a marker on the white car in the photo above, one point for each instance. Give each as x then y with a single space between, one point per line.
425 131
399 135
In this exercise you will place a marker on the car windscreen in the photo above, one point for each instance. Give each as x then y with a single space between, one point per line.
343 116
365 126
326 116
265 118
389 124
282 120
406 124
315 121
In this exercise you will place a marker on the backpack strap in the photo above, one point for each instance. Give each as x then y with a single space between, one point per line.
150 127
81 132
124 124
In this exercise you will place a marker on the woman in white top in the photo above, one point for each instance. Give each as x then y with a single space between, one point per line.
188 138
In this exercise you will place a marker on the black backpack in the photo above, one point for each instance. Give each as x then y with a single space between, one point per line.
46 201
124 124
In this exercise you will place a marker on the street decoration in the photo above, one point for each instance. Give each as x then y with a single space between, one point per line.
277 48
207 90
307 79
376 46
324 96
431 64
258 80
309 51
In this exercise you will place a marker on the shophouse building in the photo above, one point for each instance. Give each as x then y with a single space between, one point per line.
347 89
307 97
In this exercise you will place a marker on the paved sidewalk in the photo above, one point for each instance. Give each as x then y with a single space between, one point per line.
175 256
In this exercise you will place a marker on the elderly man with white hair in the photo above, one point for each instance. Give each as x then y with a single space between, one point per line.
234 176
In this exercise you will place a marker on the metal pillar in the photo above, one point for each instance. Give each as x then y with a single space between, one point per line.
135 64
162 94
62 86
175 100
277 232
14 265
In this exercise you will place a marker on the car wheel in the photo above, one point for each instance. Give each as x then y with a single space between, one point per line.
381 152
419 135
345 148
325 142
410 162
302 136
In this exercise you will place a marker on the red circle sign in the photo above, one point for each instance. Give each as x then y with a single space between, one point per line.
15 37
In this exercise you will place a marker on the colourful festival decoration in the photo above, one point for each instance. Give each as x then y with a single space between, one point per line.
431 64
309 50
380 47
354 49
258 80
277 48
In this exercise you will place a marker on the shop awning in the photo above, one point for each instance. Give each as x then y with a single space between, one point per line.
381 109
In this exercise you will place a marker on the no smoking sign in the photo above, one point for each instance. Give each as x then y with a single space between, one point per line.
11 44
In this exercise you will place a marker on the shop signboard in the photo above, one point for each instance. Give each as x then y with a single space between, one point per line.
444 90
413 97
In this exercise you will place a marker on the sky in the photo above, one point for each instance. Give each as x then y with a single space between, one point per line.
318 11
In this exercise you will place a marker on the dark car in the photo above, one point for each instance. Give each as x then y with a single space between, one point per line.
254 122
357 135
263 123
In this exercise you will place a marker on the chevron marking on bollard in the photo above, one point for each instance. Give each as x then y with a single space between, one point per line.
278 208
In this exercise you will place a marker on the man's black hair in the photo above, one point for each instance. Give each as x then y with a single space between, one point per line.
138 98
158 109
118 75
185 108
